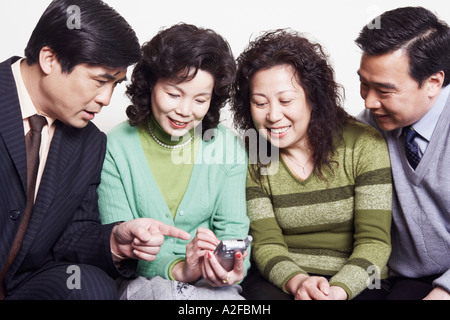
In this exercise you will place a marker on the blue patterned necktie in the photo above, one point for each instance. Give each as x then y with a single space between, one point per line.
411 147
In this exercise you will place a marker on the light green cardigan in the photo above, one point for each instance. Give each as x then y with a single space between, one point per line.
214 198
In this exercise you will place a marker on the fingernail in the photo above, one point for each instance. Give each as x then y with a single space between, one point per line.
209 254
238 255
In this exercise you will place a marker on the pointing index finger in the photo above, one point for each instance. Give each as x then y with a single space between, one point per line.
172 231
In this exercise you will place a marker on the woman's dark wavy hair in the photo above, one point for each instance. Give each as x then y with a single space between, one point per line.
316 77
172 54
419 32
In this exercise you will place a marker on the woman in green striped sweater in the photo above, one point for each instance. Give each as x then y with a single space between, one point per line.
321 214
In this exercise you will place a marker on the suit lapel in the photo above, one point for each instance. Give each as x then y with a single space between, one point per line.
11 122
65 142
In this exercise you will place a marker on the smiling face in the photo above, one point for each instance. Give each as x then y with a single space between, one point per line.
391 94
279 108
76 97
179 107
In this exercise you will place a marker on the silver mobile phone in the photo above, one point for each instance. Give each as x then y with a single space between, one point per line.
226 250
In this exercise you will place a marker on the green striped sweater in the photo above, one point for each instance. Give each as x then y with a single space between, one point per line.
339 228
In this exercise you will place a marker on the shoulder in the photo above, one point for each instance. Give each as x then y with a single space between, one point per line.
122 135
6 65
366 117
123 129
83 147
357 127
357 132
365 145
366 150
225 149
223 131
7 83
90 134
227 141
123 148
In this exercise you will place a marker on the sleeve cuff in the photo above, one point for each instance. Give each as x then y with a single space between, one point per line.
170 276
443 281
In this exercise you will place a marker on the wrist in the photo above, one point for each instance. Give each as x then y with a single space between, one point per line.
177 271
173 274
339 293
294 283
118 256
182 272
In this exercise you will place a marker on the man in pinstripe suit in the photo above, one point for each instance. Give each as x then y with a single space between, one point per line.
68 75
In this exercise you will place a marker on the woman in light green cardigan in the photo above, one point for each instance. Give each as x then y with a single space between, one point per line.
173 162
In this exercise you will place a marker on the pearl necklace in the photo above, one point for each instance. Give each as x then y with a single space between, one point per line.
162 144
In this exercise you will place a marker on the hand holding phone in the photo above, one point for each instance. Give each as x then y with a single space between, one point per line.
227 249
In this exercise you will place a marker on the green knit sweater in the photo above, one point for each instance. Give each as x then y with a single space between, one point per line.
337 228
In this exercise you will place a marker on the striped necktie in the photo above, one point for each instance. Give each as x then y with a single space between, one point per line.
411 147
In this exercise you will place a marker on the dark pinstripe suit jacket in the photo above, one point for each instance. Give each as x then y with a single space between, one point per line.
65 223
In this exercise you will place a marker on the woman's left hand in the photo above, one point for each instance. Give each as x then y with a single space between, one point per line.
216 275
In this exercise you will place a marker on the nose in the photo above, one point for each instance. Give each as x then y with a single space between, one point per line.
274 113
184 108
104 97
371 100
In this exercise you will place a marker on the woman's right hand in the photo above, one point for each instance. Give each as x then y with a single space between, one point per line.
217 276
190 270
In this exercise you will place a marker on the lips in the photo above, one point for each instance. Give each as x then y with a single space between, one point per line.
178 124
278 132
90 115
381 117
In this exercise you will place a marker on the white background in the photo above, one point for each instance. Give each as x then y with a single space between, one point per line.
333 23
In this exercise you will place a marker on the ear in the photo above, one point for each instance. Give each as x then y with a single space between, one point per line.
434 84
47 60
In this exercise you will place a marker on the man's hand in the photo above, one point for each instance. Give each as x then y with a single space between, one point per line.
438 294
142 238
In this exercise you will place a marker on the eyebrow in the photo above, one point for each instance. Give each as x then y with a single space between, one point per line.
278 93
379 84
112 77
182 91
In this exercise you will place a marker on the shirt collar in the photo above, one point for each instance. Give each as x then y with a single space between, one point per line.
426 125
